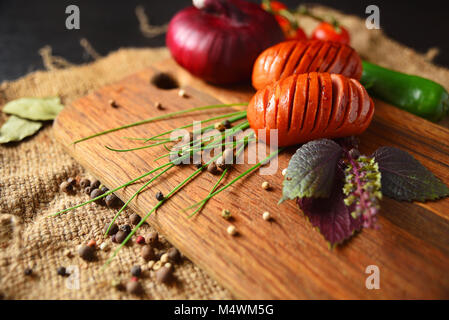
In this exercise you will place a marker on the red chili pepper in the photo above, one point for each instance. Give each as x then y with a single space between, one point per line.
326 31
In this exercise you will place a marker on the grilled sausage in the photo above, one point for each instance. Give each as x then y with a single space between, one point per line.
297 57
311 106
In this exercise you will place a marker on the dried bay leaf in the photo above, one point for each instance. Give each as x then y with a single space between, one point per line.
34 108
16 129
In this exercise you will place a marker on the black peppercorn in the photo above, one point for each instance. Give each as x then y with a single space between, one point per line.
112 230
136 271
125 228
159 196
62 271
28 271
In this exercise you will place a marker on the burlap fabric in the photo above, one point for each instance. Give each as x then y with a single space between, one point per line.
31 171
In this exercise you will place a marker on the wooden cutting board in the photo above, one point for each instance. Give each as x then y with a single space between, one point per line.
284 258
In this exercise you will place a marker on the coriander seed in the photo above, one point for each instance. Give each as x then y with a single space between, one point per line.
232 230
284 172
226 214
265 185
219 126
182 93
164 258
266 216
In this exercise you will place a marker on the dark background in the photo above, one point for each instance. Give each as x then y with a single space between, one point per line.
28 25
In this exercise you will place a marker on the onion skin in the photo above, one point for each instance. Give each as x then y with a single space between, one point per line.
221 42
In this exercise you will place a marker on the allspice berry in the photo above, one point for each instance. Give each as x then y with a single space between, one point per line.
120 236
85 183
112 230
134 287
87 253
96 193
173 254
112 201
66 187
164 274
147 253
134 219
95 184
152 238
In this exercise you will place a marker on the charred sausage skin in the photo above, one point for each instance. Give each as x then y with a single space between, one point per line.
297 57
311 106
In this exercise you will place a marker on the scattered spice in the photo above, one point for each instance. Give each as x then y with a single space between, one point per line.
174 254
226 214
104 246
113 238
265 185
151 264
62 271
28 271
159 196
164 258
125 228
232 230
182 93
95 184
134 219
112 201
227 124
147 253
72 181
134 287
92 243
266 216
120 236
84 183
219 126
88 190
86 253
136 271
165 274
113 104
113 230
212 168
152 237
140 240
66 187
103 189
96 193
159 106
157 265
284 172
68 253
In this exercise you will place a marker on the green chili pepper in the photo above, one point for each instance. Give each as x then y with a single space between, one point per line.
414 94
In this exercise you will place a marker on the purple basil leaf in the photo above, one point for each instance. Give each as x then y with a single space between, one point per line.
311 170
405 178
331 216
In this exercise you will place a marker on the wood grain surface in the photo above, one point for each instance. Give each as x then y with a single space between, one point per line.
284 258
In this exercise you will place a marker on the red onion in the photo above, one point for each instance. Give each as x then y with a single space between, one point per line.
219 40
